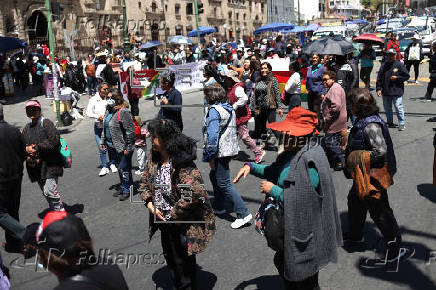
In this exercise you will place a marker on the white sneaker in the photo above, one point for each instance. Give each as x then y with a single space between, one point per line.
139 172
104 171
113 168
240 222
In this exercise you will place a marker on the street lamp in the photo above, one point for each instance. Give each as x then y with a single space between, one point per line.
126 43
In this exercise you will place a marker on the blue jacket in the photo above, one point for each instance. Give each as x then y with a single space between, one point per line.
392 88
213 130
314 81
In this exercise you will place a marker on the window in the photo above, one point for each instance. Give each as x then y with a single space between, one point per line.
275 9
245 16
166 7
177 9
97 5
230 15
139 4
153 7
237 16
189 9
179 30
262 6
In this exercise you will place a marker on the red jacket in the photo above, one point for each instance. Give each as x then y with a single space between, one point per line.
395 45
242 113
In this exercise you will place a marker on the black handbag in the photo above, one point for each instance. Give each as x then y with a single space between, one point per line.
274 227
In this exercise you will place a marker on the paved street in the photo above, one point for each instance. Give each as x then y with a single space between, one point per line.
240 258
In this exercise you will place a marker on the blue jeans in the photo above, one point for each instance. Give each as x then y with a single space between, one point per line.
97 135
332 147
92 83
222 187
398 104
124 165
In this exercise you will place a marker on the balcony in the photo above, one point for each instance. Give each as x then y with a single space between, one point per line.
216 19
155 16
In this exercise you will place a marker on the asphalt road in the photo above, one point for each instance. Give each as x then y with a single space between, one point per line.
238 259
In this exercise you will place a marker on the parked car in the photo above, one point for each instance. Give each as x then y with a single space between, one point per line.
343 31
426 27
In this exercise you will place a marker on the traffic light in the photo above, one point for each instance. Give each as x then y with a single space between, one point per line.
200 8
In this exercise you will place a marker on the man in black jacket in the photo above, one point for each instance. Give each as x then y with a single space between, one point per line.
390 85
12 156
432 71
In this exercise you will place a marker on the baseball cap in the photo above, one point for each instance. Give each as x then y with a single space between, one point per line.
59 231
391 51
416 36
32 103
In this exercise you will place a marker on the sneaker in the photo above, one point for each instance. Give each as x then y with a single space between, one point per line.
103 171
113 168
385 262
401 127
349 239
139 172
219 211
392 125
124 196
259 157
432 119
416 82
240 222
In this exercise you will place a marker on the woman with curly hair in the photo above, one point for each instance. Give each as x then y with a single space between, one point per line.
180 206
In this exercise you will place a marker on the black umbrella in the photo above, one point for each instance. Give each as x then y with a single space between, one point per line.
329 45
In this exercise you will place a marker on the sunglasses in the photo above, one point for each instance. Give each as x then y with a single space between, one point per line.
324 79
105 89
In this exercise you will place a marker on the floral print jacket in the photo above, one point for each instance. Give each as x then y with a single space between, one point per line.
189 205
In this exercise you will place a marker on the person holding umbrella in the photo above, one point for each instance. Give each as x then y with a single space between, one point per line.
367 57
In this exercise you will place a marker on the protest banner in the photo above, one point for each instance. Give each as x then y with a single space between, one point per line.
188 76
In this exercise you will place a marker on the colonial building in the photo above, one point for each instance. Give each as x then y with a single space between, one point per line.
281 11
166 18
76 24
81 25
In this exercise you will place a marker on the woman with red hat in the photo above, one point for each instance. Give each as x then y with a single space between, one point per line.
300 185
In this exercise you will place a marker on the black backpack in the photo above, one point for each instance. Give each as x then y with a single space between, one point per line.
275 227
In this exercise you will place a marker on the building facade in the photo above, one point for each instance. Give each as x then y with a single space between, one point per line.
86 24
281 11
76 24
166 18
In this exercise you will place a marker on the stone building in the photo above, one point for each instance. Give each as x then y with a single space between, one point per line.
76 24
81 25
166 18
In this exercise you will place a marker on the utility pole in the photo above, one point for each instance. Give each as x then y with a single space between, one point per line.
234 19
53 62
196 20
126 43
299 20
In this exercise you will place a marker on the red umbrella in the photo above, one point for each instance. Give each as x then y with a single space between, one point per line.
368 38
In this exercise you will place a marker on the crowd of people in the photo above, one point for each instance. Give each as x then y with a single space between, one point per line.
340 130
